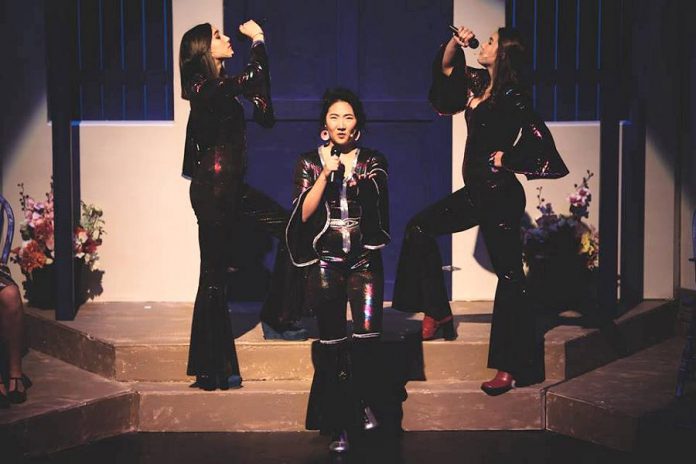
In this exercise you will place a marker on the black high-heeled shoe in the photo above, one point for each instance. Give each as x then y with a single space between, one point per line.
214 381
226 382
15 395
205 382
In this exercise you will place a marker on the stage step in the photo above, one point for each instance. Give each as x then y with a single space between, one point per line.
258 406
148 342
281 406
67 406
628 404
139 351
461 405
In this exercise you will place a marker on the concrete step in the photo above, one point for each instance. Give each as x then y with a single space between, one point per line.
628 404
278 405
69 406
149 341
461 405
66 407
281 406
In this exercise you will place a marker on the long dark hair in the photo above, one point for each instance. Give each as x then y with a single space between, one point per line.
331 96
195 57
511 63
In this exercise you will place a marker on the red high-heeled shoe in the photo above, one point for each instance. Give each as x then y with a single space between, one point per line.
501 383
432 329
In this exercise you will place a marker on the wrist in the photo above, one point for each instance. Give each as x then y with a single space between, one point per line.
257 37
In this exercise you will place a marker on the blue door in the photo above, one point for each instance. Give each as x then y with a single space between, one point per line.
382 50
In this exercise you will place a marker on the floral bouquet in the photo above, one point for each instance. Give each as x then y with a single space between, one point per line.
561 251
35 255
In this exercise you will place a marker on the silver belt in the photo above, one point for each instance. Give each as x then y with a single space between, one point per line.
336 223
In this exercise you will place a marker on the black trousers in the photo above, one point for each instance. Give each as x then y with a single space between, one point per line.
347 372
360 282
497 208
219 207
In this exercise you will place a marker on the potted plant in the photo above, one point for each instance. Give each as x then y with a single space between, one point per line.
561 253
35 255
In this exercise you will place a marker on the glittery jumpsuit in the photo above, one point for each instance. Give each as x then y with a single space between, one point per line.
340 246
215 161
494 200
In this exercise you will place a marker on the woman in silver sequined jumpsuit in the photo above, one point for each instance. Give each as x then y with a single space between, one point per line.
339 223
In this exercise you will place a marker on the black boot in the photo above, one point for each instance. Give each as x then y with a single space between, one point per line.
329 407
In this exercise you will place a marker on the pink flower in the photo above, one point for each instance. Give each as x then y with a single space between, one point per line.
38 231
576 200
81 235
90 246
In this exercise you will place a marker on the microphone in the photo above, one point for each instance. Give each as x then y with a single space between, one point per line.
260 22
473 43
341 168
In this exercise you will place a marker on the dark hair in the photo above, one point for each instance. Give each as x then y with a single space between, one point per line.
195 57
331 96
511 62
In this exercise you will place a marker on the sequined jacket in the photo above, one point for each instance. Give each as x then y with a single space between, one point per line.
371 193
217 118
509 124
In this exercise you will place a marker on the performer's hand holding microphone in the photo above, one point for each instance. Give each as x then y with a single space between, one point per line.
464 37
338 173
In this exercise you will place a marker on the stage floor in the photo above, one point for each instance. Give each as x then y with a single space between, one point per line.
127 362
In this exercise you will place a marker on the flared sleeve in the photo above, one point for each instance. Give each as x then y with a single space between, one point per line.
534 153
301 236
190 152
258 92
450 94
253 83
373 195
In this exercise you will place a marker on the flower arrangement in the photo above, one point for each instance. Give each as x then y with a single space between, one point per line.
37 231
563 236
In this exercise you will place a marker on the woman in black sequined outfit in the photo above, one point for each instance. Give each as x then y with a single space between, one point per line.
339 223
215 161
504 137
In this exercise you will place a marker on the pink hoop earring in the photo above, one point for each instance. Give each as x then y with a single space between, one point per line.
325 137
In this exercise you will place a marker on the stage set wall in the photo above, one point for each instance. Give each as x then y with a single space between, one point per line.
132 171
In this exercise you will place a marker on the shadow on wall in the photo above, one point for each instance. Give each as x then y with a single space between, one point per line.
250 279
665 80
24 79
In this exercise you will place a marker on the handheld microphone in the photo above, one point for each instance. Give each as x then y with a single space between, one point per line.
336 152
260 22
473 43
